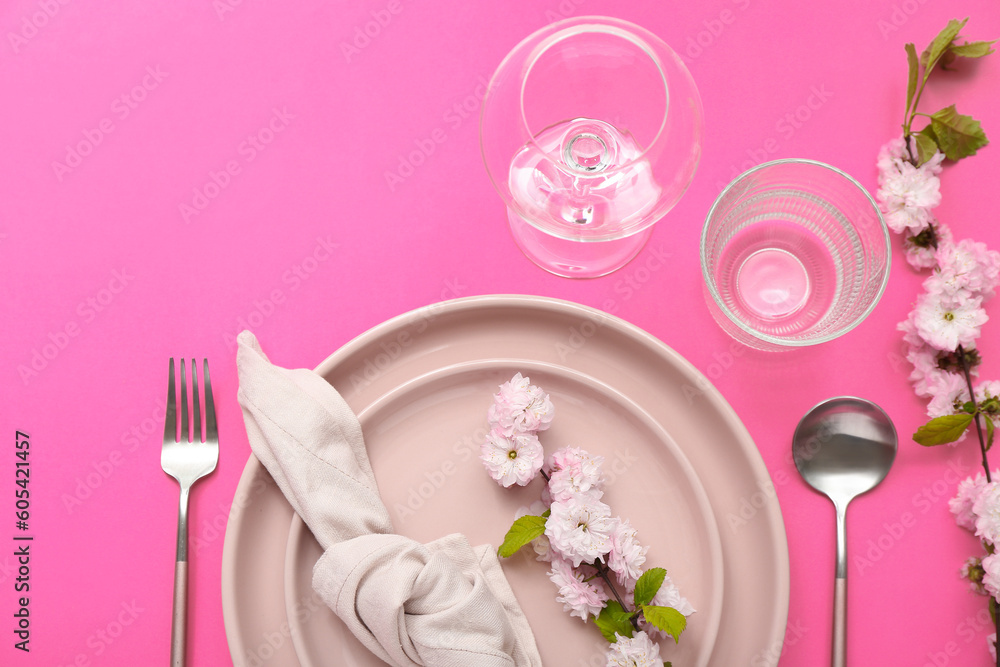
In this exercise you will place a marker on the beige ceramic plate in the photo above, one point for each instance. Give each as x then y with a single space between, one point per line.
485 329
422 441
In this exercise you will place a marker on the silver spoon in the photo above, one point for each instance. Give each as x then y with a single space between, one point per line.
843 447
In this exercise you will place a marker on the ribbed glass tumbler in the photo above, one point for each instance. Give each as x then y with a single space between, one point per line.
793 253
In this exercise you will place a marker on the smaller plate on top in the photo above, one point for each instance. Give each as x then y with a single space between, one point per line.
423 442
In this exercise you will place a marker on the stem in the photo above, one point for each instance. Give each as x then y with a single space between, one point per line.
916 100
602 571
982 448
975 416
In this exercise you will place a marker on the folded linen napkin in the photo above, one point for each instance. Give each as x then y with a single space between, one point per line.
444 603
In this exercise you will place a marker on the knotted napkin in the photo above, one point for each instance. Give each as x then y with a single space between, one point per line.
444 603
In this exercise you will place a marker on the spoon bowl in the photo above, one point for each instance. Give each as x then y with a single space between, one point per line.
843 447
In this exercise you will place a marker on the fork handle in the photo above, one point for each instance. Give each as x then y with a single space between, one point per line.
178 629
180 615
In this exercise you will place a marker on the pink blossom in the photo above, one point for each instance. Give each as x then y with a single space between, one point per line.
965 266
626 556
991 642
888 154
987 389
925 369
919 257
580 529
573 471
580 598
972 571
991 576
961 505
637 651
987 510
947 322
512 460
907 195
520 407
946 389
670 596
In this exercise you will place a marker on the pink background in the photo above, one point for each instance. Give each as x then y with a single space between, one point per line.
101 269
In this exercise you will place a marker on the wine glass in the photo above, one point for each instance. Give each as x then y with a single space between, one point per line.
591 132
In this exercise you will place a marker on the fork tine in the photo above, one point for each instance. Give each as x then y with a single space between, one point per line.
170 421
185 426
195 403
211 428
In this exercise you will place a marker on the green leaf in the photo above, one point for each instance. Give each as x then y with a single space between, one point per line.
648 584
989 432
926 144
958 135
942 430
936 48
614 619
911 86
969 407
667 619
522 532
972 49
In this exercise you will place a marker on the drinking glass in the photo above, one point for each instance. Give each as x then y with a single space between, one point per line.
793 253
590 132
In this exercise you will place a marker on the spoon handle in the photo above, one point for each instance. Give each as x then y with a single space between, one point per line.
839 622
840 592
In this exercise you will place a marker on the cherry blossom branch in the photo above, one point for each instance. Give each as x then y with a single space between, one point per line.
602 572
975 418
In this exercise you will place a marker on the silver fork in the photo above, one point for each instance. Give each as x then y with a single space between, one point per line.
186 458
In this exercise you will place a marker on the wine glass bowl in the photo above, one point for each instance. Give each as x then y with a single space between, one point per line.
590 132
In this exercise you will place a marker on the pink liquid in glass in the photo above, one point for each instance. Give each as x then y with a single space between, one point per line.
780 277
